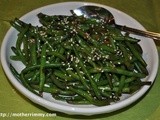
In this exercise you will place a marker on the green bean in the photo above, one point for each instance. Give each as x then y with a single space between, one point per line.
115 78
24 82
14 49
67 92
34 67
123 38
109 80
68 98
138 48
20 38
140 67
33 52
102 82
112 43
15 25
18 44
21 23
71 73
130 79
80 102
34 78
17 75
46 89
26 49
43 62
97 77
118 71
135 85
121 84
82 43
107 48
57 54
16 58
61 52
136 53
57 82
126 56
107 90
63 76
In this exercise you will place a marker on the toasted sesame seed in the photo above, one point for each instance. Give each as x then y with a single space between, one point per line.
81 72
76 65
69 69
77 60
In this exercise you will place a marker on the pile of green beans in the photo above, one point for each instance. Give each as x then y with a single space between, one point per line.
78 60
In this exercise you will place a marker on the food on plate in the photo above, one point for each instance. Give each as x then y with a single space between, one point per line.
78 60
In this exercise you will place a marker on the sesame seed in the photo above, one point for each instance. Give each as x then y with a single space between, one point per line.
81 72
72 57
130 57
89 58
77 60
69 69
32 40
102 71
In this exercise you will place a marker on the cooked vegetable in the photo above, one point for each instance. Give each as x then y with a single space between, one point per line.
79 60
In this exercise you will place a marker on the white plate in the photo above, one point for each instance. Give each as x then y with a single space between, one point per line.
150 55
